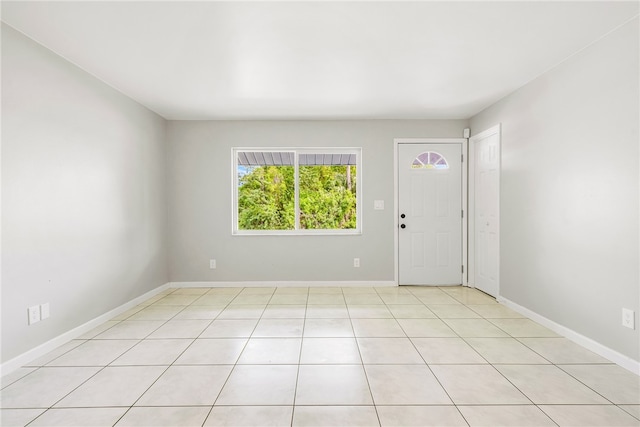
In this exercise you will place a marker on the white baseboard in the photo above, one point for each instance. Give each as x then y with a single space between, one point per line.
610 354
39 351
283 284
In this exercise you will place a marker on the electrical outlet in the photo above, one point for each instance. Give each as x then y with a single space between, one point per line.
212 264
356 262
628 319
378 205
45 311
33 314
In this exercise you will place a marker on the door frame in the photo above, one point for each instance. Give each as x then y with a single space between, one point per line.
464 195
496 129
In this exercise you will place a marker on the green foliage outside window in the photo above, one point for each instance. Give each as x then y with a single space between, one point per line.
266 198
327 198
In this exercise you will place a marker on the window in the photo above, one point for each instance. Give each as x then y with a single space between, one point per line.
296 191
430 160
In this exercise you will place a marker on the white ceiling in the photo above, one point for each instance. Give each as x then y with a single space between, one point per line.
316 60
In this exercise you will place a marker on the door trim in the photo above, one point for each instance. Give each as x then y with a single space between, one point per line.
497 129
465 196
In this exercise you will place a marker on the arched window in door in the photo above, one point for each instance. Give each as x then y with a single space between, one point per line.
430 160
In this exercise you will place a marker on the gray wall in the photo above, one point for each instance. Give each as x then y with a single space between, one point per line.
570 189
200 173
83 195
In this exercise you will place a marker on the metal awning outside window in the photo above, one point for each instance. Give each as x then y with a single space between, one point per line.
286 158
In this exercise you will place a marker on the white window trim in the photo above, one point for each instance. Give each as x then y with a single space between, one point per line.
296 150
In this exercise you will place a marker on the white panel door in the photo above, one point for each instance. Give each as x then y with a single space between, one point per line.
487 210
430 209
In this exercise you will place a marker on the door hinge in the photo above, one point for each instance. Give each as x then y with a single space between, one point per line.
462 214
462 158
463 269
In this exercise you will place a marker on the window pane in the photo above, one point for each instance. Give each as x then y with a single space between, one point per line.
327 192
266 194
430 160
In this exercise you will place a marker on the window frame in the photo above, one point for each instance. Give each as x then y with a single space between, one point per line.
296 151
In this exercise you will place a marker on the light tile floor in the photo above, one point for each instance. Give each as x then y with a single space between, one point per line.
409 356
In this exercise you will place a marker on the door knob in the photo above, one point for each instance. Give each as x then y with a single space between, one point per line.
402 216
403 226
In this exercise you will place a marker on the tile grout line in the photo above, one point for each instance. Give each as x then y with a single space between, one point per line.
366 376
492 365
295 389
234 365
558 366
438 379
163 372
172 363
487 364
237 359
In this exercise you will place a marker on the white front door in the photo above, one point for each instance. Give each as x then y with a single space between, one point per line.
430 210
486 147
